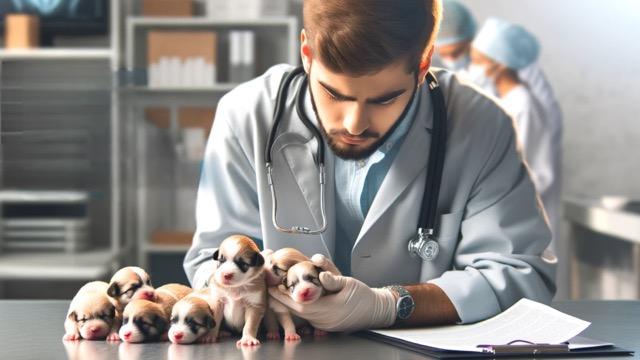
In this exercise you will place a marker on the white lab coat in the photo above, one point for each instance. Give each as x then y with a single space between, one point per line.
491 231
541 137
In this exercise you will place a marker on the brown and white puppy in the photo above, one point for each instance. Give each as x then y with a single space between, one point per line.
303 282
144 320
239 281
130 283
91 314
196 318
275 267
304 286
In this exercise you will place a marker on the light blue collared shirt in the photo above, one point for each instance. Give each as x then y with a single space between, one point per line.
357 182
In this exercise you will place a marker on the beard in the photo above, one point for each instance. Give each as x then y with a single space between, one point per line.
356 152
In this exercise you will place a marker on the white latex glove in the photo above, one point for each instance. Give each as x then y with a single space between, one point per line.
354 306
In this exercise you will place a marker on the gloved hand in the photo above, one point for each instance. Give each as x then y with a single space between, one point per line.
354 306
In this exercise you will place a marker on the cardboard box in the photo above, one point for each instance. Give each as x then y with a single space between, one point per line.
171 237
22 31
188 117
167 7
181 44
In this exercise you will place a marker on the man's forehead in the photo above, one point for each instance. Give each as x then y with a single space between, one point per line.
369 86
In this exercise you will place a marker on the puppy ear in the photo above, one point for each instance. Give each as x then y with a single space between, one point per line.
160 323
114 290
209 322
216 255
73 316
257 259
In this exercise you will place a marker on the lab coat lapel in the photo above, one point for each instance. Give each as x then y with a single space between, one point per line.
411 160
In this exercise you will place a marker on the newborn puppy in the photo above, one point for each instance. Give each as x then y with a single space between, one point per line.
275 267
143 320
130 283
239 281
303 282
196 317
91 314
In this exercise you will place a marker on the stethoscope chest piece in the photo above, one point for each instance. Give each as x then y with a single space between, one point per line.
424 245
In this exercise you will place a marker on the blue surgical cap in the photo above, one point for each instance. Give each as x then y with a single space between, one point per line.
457 24
507 44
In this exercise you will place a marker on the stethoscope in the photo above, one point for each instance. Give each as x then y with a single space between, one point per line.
425 244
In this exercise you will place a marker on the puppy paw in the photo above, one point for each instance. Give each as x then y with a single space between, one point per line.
248 340
291 337
113 337
71 337
273 335
207 339
319 333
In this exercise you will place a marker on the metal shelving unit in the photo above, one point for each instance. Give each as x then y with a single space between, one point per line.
97 262
279 39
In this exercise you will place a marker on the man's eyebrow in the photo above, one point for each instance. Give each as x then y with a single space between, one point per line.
379 99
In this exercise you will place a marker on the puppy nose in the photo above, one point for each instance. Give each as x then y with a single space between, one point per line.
147 295
228 276
93 330
127 335
305 293
178 335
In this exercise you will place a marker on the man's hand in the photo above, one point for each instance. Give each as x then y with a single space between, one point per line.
350 305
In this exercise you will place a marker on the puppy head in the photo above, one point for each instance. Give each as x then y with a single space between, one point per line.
94 315
191 318
142 321
277 264
130 283
239 261
303 282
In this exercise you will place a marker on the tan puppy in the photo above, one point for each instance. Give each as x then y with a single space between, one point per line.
276 265
303 282
130 283
143 320
239 281
196 317
91 314
304 286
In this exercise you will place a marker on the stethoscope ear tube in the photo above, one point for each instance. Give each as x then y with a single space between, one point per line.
424 244
277 116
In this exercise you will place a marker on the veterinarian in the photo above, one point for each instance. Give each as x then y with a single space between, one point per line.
338 158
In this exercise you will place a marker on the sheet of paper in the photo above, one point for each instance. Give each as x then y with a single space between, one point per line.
525 320
580 342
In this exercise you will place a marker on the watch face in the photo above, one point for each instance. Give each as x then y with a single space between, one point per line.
405 307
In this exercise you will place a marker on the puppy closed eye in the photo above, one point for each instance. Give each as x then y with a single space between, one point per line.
174 320
125 320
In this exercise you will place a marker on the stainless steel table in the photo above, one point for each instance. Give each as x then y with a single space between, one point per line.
33 330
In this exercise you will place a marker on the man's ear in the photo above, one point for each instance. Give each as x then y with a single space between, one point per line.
305 51
216 255
114 290
424 66
257 259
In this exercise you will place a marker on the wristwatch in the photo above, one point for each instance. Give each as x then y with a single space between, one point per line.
405 304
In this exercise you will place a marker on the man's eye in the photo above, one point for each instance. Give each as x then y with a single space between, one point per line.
387 101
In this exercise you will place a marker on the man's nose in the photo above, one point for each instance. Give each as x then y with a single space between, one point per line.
356 122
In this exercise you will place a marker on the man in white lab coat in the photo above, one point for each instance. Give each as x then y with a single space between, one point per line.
366 63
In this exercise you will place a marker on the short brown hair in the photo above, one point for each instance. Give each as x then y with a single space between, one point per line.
363 36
